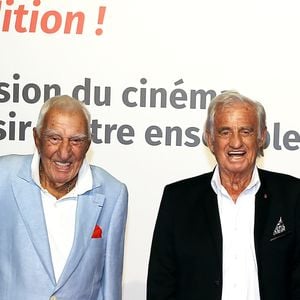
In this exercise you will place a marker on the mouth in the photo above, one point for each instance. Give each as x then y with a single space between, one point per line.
236 153
62 165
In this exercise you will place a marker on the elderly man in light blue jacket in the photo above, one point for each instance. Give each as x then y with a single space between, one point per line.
62 221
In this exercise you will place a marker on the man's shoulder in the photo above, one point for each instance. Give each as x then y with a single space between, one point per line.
280 183
13 162
200 181
267 175
102 176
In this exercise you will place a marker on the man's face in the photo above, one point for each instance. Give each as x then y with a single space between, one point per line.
235 142
62 145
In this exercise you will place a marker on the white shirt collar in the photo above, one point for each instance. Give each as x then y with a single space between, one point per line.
218 187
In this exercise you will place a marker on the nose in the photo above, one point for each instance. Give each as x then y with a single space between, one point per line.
235 140
65 149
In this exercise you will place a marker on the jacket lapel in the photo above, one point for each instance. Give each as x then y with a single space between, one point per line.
262 205
89 207
28 198
262 209
213 221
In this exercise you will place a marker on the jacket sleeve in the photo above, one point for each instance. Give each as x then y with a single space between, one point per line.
296 264
111 283
161 281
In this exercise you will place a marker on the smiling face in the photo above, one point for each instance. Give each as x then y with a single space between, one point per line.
62 146
235 141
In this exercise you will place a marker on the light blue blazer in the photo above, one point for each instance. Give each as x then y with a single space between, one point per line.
93 270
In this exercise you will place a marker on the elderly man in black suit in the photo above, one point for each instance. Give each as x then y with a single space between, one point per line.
234 233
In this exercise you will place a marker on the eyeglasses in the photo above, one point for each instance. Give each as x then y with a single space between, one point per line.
56 139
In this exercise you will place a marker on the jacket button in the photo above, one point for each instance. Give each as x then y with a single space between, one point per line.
53 298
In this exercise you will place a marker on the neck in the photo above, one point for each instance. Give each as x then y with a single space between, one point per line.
57 191
235 183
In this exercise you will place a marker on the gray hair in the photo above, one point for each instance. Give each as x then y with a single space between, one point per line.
230 97
66 103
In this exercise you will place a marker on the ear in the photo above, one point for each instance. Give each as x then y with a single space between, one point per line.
262 140
37 139
209 141
88 145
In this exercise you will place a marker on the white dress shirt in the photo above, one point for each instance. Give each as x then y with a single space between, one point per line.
240 279
60 215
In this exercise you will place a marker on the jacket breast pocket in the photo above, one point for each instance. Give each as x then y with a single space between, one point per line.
281 235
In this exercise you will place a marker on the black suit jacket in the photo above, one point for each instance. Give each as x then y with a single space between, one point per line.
186 253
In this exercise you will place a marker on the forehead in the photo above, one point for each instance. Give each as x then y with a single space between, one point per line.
242 113
65 120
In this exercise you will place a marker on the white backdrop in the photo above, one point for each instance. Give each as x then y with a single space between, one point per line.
172 48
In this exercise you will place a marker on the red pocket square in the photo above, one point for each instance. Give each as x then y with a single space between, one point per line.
97 234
